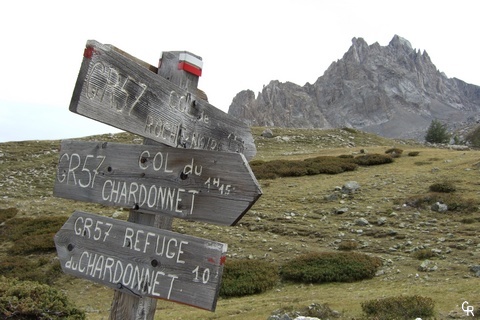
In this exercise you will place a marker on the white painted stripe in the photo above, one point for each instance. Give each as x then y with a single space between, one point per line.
185 56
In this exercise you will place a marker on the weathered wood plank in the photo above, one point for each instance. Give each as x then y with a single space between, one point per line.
116 90
141 260
215 187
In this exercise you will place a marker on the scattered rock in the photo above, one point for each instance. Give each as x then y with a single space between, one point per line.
381 221
341 210
350 187
439 207
427 266
117 214
475 269
267 133
331 197
362 222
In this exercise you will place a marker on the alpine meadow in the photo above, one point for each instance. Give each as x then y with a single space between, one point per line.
350 225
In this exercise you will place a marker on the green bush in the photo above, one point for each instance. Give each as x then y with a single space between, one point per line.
350 130
437 132
347 245
400 307
373 159
470 220
315 310
445 187
31 235
453 201
413 153
246 277
8 213
423 254
473 137
394 152
330 267
297 168
313 166
41 270
31 300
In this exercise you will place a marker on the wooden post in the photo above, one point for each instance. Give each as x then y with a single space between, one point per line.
126 306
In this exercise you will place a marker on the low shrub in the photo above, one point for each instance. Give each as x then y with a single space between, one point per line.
422 163
394 152
445 187
473 137
313 166
31 300
470 220
31 235
348 245
423 254
373 159
454 202
314 310
245 277
8 213
297 168
42 270
350 130
399 307
413 153
330 267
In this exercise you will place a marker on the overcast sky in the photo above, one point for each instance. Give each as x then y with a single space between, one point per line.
244 45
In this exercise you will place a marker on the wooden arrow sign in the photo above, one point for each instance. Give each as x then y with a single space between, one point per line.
215 187
142 260
117 89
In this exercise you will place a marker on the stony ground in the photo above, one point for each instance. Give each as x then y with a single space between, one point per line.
300 215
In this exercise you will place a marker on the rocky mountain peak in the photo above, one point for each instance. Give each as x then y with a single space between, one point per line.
394 91
398 42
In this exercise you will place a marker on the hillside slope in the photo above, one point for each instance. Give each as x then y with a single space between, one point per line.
301 215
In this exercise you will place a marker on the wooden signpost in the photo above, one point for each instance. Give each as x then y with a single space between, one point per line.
122 91
214 187
205 178
142 260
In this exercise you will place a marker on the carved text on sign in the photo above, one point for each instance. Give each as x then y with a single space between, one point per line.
141 260
122 91
189 184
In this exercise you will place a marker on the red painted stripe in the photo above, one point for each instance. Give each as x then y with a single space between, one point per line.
88 52
189 68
